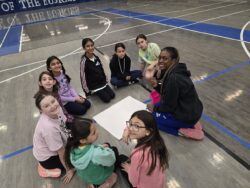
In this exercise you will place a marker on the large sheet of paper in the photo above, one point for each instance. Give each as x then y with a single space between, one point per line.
114 118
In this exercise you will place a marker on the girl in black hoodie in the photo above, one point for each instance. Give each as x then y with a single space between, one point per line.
120 68
180 108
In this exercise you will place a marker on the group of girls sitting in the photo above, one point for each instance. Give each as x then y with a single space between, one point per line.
63 141
59 149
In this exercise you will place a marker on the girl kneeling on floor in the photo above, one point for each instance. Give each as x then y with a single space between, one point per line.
146 166
120 68
49 138
95 164
180 108
92 74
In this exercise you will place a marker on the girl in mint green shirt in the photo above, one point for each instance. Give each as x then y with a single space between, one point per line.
93 163
148 52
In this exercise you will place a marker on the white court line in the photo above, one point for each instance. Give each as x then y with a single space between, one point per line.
21 40
242 39
137 6
61 57
165 19
127 28
74 52
7 31
183 9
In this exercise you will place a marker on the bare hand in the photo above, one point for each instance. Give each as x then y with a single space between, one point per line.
79 99
105 145
82 98
125 166
150 107
125 136
128 77
68 176
149 72
153 82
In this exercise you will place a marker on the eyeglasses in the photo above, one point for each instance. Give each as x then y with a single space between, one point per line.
133 126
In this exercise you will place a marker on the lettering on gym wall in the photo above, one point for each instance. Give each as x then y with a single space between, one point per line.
38 16
12 6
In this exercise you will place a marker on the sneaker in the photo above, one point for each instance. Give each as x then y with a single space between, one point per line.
110 181
46 173
195 133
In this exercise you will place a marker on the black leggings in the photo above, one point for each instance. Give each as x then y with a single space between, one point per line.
105 94
52 163
75 108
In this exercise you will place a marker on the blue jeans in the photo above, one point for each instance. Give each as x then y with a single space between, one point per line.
135 74
167 123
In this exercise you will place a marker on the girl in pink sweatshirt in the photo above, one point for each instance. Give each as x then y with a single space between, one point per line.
146 166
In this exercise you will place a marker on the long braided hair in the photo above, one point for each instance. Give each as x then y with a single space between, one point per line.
175 58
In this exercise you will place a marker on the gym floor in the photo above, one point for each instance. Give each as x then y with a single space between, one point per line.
213 39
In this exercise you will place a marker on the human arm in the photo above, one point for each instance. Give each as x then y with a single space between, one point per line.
69 171
125 135
53 138
133 168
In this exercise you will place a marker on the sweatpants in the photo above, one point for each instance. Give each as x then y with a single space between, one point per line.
135 74
167 123
105 94
75 108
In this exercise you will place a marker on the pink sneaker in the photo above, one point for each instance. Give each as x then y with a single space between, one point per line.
46 173
110 181
195 133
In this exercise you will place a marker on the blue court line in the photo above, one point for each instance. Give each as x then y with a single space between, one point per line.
15 153
227 70
214 29
11 43
226 131
207 118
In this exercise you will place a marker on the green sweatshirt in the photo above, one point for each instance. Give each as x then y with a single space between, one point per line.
150 54
94 163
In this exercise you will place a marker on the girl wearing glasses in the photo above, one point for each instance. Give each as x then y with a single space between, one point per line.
148 161
180 108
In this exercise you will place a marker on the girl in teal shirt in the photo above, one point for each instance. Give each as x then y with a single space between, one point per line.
94 163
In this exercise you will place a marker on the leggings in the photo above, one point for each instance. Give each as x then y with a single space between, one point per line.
75 108
105 94
52 163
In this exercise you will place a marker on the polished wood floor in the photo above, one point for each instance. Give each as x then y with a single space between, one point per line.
219 64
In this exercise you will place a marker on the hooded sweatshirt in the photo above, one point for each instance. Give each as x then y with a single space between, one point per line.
94 163
179 96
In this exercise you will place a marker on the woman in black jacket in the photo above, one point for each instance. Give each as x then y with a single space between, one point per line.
180 108
120 68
